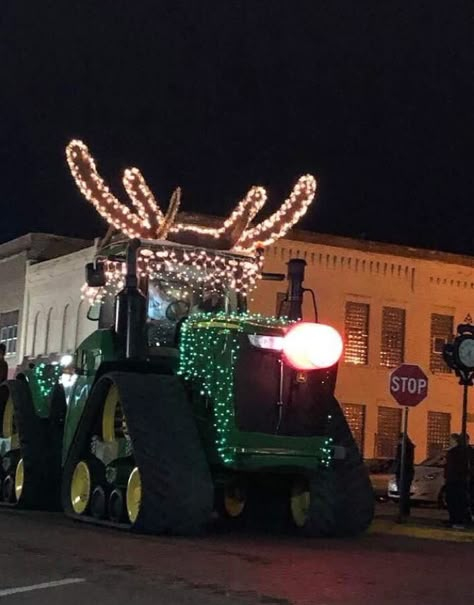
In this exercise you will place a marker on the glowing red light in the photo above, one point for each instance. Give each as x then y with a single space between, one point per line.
310 346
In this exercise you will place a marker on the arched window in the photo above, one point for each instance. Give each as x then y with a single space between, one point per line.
47 338
65 342
34 342
80 323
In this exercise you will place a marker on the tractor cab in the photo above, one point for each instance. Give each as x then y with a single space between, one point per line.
172 283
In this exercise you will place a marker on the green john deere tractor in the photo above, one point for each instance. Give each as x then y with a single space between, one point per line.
182 405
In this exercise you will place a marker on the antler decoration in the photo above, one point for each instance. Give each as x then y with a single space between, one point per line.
149 222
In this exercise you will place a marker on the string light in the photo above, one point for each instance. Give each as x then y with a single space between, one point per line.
279 223
197 269
93 188
149 222
209 350
141 196
46 377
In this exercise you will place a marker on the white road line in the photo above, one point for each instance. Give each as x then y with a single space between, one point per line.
10 591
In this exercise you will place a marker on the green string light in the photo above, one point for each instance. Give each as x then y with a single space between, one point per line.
46 377
209 349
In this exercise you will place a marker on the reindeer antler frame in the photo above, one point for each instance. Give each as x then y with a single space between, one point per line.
148 221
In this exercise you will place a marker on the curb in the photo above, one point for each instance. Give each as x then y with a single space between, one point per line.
417 531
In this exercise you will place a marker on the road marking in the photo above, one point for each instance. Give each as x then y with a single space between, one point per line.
10 591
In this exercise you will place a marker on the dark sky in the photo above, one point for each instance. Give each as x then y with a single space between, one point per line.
376 99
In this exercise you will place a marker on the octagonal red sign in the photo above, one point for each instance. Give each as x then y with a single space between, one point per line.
408 384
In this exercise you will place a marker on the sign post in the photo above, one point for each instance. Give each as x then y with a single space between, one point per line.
408 386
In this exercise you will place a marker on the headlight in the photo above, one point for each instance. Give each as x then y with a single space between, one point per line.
274 343
311 346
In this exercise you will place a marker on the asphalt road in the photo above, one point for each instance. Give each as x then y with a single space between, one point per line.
109 567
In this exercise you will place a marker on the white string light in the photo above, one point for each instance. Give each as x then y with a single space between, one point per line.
200 270
149 222
279 223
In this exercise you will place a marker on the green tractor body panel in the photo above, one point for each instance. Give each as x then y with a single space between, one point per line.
96 350
42 379
236 389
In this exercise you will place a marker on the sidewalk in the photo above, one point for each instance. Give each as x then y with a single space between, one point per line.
425 523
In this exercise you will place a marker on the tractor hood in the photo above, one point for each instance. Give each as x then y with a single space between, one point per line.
303 346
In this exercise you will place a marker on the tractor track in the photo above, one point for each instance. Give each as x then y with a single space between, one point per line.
177 489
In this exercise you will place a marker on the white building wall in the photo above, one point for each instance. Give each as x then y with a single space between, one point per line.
55 316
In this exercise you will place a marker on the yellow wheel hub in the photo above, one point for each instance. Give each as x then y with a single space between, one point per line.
19 479
80 488
300 503
134 494
113 420
8 423
234 501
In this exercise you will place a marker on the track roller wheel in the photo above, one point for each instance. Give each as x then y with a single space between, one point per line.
98 505
231 501
312 504
299 503
116 506
81 485
114 424
8 489
9 430
134 495
19 479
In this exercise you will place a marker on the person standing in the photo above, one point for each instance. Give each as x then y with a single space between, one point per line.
456 472
3 363
408 474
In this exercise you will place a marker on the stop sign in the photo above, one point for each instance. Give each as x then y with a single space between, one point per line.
408 384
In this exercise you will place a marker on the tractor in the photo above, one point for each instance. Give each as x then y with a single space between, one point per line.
183 406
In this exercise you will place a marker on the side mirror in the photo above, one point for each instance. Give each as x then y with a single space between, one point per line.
95 274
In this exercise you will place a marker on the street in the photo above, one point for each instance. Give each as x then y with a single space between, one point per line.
55 560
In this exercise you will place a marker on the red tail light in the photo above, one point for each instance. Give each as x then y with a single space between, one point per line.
310 346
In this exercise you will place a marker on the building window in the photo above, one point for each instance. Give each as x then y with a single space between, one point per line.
388 431
392 349
441 332
355 416
439 429
357 333
9 330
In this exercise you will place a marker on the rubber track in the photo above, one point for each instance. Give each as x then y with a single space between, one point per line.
177 489
34 446
354 496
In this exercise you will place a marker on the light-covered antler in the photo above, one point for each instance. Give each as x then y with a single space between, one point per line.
94 189
225 237
280 222
148 220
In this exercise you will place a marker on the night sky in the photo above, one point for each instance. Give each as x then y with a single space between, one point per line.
376 99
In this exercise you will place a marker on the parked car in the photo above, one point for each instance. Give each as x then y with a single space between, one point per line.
380 472
428 482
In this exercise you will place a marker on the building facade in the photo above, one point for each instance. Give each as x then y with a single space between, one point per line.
393 304
15 258
55 316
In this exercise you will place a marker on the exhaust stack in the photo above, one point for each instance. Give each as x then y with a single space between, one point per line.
130 308
294 297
